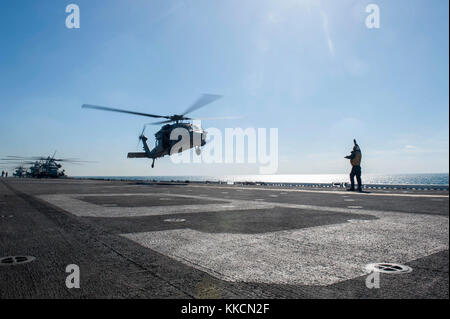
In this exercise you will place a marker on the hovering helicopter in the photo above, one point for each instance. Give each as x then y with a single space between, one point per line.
163 143
41 167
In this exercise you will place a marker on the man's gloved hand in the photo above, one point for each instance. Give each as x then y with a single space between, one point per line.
354 141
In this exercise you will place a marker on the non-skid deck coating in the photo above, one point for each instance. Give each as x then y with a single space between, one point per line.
144 240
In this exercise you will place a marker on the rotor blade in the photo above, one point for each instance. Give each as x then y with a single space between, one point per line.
19 162
216 118
142 134
14 160
161 122
20 157
202 101
35 158
110 109
72 161
143 129
76 163
41 158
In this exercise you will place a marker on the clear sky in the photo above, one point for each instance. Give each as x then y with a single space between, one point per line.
307 67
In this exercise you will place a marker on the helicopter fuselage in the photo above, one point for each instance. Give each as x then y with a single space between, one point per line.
172 139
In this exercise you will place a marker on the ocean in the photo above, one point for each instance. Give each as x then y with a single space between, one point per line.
394 179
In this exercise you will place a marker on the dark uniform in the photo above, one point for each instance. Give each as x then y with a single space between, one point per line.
355 159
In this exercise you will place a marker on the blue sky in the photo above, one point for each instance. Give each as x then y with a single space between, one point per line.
309 68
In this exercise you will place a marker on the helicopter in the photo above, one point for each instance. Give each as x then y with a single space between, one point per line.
41 167
20 171
163 143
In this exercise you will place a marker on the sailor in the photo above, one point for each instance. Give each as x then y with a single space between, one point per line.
355 161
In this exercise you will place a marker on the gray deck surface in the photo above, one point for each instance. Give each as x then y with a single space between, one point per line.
145 240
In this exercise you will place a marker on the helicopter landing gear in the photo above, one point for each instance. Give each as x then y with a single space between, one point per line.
153 163
198 151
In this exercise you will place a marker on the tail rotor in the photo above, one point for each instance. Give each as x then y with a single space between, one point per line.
142 137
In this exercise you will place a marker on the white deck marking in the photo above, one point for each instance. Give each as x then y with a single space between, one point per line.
73 204
320 255
404 194
175 220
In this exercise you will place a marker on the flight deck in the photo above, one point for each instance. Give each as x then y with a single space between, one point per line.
194 240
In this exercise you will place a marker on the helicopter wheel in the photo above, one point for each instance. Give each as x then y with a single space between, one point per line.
198 151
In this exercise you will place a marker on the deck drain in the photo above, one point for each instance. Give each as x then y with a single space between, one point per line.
15 260
388 268
175 220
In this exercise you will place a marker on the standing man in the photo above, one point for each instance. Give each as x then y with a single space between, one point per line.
355 160
3 173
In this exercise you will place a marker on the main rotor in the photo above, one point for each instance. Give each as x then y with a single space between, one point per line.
41 160
203 100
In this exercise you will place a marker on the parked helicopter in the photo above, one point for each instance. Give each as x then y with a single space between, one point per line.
41 167
20 171
163 143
